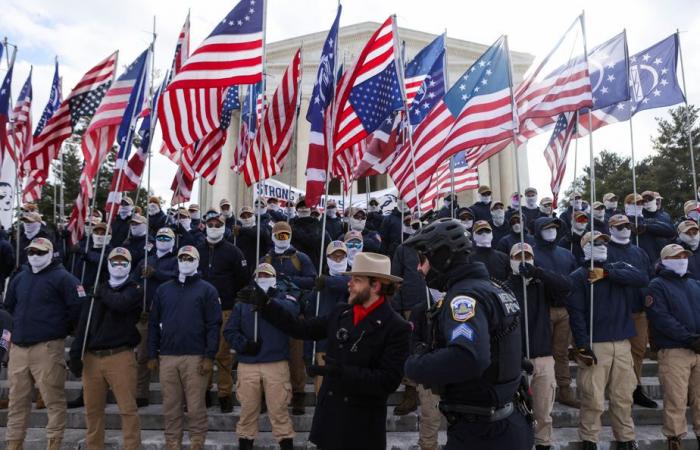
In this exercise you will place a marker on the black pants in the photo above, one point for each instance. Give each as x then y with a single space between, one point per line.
512 433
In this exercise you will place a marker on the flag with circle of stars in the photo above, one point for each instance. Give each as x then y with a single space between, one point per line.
430 93
53 104
607 65
246 17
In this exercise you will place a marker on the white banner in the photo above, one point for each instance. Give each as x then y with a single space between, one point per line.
8 180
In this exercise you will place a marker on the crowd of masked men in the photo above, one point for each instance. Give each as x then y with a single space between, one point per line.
157 292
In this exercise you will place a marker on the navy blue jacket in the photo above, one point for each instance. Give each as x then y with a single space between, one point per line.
90 259
119 230
284 265
274 343
572 242
631 254
165 270
612 311
45 305
113 322
248 237
334 228
185 319
413 291
530 215
445 212
135 245
183 237
693 260
391 231
499 233
497 263
306 237
509 240
24 242
371 241
673 309
276 215
156 222
550 256
7 259
654 234
482 211
223 265
374 220
335 290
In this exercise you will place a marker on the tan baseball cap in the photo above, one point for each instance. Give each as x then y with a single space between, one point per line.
530 190
188 250
281 227
154 199
335 246
31 216
648 195
224 201
183 212
126 201
246 209
166 231
673 250
481 225
598 205
352 235
618 219
137 218
120 251
99 226
545 200
41 244
630 198
686 225
496 204
609 197
596 235
193 207
484 188
266 268
688 206
518 248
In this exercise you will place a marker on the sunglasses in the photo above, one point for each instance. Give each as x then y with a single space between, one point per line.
283 236
163 238
215 225
624 226
185 258
119 263
35 252
581 219
353 244
483 231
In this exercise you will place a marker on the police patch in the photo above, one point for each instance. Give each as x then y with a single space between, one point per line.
463 330
648 301
509 304
463 308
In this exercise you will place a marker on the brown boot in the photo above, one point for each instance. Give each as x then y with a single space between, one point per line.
675 443
54 444
409 402
196 442
13 445
171 444
39 401
4 403
566 396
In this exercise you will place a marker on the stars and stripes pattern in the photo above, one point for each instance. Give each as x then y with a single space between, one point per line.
374 90
190 107
321 98
5 125
465 178
250 118
81 103
274 136
557 151
52 104
475 111
21 129
422 65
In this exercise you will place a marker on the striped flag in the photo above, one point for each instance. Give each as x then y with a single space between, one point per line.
5 88
81 103
557 151
21 131
465 178
250 118
277 126
476 110
421 67
232 54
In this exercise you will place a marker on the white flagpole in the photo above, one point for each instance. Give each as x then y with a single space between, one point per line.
446 83
148 174
689 125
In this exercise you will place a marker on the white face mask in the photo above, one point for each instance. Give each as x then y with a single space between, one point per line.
88 229
373 208
690 241
291 212
531 201
651 206
248 223
485 199
632 210
336 268
304 212
579 227
599 215
578 205
195 215
356 224
125 211
281 246
330 212
600 252
153 209
164 247
266 283
483 239
227 213
214 234
498 216
516 228
515 203
39 262
610 205
31 229
273 207
118 274
186 223
678 266
187 268
546 210
468 223
352 252
100 240
261 210
549 234
620 236
408 230
515 265
694 215
139 230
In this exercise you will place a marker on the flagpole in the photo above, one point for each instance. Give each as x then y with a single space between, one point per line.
236 175
367 196
592 176
575 169
89 219
687 116
10 63
127 141
148 173
398 64
514 131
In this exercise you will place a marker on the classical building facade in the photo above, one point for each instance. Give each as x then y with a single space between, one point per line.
498 172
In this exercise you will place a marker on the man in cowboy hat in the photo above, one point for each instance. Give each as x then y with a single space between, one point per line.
367 346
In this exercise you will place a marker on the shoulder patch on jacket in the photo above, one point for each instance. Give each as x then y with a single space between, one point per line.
462 308
648 301
464 331
80 290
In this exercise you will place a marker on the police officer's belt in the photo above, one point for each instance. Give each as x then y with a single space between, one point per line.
468 413
109 351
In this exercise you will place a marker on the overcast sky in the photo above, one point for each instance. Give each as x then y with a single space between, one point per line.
81 33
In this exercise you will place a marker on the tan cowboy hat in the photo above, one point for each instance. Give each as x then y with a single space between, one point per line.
374 265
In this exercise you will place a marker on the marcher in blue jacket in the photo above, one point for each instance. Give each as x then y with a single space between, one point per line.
375 215
689 238
673 308
245 235
499 225
275 210
183 338
120 225
607 365
263 367
287 260
449 206
482 207
571 240
513 237
611 205
334 223
185 234
156 217
86 270
652 233
139 240
392 228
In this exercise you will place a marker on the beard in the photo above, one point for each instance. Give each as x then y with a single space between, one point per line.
360 297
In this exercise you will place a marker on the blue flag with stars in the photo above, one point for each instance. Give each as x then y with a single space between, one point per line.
250 107
53 104
430 93
322 94
137 71
5 113
607 64
231 103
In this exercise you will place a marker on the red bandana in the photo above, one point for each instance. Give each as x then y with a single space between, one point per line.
360 312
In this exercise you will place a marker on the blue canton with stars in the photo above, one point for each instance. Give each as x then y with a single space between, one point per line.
5 94
249 115
487 75
425 60
377 97
430 93
53 104
608 72
231 103
85 104
245 18
323 88
459 160
138 71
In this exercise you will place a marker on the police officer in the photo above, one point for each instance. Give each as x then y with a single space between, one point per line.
477 355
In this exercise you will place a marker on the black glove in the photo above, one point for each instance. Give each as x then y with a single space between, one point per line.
586 356
253 295
75 365
695 345
330 369
321 282
528 270
527 366
252 348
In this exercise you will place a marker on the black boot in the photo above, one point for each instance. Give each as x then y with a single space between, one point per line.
77 403
208 399
287 444
543 447
142 402
298 407
245 444
226 404
629 445
588 445
642 399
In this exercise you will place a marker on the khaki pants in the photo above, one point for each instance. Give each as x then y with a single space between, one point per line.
143 379
430 418
679 374
320 361
118 373
43 362
297 370
639 343
181 382
224 362
561 337
544 386
614 373
272 379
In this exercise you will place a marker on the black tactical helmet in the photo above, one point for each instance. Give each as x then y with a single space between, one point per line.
448 235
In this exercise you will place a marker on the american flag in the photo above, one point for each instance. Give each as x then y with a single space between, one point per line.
232 54
345 161
21 130
53 104
476 110
250 118
5 132
421 68
380 147
81 103
465 178
557 151
269 152
372 92
321 98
